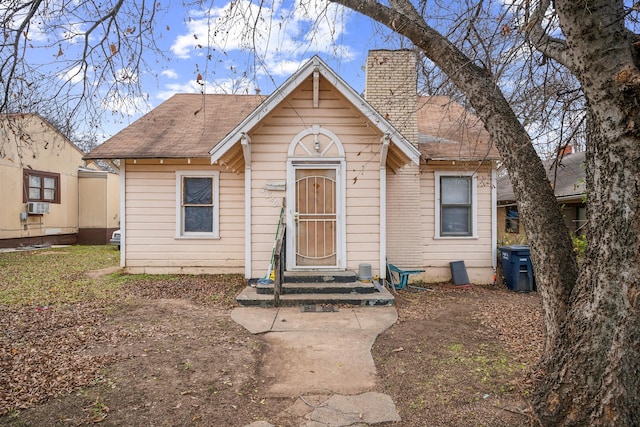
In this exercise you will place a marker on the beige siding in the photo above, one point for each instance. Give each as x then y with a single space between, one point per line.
99 200
439 252
33 144
151 243
404 218
269 147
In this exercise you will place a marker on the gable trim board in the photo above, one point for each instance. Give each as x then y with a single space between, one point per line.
315 64
313 122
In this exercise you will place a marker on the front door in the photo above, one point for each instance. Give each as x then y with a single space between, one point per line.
315 217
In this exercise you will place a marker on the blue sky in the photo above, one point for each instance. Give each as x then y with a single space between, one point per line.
207 52
224 49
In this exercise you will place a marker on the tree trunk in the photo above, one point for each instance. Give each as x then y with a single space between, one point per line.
590 370
592 375
540 214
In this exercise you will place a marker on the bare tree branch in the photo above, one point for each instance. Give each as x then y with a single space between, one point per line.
539 36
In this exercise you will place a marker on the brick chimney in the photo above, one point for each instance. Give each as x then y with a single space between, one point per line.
391 87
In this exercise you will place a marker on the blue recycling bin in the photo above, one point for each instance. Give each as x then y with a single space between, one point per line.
517 268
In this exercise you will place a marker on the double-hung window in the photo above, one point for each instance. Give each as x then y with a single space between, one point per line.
456 205
197 204
41 186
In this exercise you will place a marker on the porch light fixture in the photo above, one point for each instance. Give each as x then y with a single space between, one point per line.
316 143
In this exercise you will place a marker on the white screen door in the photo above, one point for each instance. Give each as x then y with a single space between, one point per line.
315 217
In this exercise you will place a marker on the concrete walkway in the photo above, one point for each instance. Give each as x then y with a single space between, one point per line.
325 356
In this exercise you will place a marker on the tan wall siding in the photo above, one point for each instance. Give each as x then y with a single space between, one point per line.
113 200
439 252
569 212
94 200
47 151
404 218
270 143
151 221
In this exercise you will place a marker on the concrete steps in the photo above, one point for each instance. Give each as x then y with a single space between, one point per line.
327 288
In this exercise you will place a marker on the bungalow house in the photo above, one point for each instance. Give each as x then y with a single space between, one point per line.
566 173
48 194
391 176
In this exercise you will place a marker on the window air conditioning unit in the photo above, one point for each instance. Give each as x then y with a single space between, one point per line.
37 208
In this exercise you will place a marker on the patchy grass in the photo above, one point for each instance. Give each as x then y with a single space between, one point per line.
54 276
138 349
56 308
460 357
59 276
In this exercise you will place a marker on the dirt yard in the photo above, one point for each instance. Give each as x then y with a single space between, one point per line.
165 352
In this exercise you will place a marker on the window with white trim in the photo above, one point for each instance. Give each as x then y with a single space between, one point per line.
197 194
456 209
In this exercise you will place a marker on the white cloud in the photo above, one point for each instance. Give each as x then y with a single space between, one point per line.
280 38
226 85
127 105
170 74
73 33
73 75
126 75
172 88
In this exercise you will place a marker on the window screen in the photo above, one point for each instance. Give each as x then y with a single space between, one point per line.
197 202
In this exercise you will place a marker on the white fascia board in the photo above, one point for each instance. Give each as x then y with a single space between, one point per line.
370 113
265 108
314 64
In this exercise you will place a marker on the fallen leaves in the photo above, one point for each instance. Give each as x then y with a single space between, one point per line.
45 353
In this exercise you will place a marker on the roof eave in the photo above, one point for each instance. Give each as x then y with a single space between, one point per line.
144 156
463 159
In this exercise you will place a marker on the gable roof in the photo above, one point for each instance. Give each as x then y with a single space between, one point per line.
567 179
15 123
311 66
184 126
199 126
447 131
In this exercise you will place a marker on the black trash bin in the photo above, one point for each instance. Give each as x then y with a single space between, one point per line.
517 268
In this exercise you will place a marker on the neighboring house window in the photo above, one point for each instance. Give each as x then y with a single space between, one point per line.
41 186
512 220
456 205
581 214
197 203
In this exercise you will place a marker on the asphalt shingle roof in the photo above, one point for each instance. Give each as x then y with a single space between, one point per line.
566 175
189 125
449 132
184 126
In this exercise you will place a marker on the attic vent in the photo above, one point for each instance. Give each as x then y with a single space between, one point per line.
37 208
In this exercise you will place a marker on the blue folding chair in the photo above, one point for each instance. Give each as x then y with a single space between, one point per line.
399 278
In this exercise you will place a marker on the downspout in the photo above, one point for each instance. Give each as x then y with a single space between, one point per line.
123 221
384 149
106 208
494 218
245 141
